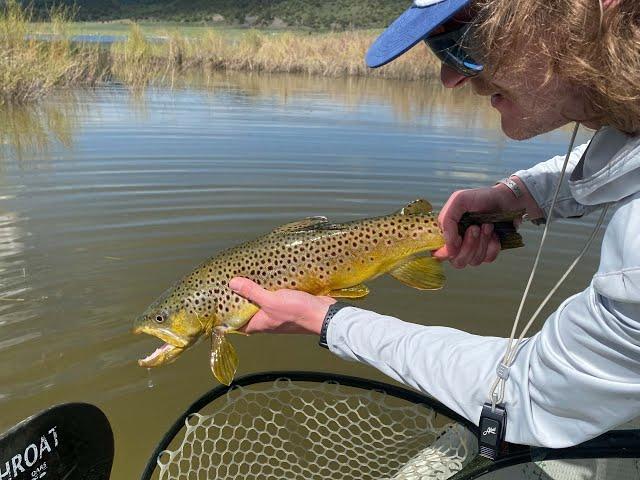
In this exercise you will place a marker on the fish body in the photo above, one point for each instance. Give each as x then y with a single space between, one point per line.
312 255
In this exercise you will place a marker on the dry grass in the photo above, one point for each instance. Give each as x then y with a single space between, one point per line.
30 68
330 54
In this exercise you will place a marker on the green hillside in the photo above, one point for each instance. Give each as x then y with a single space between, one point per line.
323 14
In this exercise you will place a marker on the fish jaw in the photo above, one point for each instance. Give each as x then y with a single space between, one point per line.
174 345
164 334
161 356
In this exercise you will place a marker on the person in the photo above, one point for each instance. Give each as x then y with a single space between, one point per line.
542 65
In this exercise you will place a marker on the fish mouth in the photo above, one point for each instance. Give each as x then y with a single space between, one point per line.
174 345
161 356
163 334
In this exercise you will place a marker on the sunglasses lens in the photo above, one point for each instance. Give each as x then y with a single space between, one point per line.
447 47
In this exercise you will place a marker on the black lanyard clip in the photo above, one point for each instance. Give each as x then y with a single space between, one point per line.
493 428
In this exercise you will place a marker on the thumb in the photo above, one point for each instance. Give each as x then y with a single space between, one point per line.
250 290
449 217
441 254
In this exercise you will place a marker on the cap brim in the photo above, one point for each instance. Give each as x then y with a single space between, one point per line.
408 29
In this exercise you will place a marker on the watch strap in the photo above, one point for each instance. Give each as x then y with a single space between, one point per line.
331 312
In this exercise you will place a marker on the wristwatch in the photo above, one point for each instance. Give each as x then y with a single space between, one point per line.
333 309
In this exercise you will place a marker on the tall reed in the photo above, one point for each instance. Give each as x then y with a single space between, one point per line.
29 68
326 54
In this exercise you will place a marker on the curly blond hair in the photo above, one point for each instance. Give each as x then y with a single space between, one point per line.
594 49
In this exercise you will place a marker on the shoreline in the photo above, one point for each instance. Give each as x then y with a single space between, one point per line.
34 67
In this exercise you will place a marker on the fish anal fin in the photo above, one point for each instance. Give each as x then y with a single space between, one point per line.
300 225
423 273
417 206
224 360
357 291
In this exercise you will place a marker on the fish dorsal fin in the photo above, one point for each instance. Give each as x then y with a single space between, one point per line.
417 206
423 273
300 225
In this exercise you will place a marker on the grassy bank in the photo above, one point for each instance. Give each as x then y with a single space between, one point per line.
32 67
328 54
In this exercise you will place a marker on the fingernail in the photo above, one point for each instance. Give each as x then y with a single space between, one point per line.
487 228
475 232
234 284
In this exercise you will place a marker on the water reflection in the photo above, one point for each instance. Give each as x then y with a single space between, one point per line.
35 128
26 129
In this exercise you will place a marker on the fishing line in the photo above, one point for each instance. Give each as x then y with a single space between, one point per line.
512 349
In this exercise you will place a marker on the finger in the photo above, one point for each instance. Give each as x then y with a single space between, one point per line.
468 248
493 249
448 219
486 231
259 323
250 290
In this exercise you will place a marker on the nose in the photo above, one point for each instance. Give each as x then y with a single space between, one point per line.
450 78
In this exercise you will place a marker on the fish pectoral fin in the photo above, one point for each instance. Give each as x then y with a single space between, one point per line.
224 360
423 273
417 206
357 291
299 225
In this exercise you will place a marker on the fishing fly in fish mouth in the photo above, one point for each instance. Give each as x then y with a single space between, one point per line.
312 255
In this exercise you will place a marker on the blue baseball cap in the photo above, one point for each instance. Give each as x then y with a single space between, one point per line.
411 27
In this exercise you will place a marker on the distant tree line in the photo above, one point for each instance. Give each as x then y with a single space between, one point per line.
316 14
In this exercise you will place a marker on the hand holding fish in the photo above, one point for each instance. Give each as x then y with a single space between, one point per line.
479 244
282 311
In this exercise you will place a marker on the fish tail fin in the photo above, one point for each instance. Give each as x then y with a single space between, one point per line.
224 360
502 223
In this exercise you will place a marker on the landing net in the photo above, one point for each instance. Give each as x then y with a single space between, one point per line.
307 430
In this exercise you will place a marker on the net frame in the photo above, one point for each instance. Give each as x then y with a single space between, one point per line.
614 444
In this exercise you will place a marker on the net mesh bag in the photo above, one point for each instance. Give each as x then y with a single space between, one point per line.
307 430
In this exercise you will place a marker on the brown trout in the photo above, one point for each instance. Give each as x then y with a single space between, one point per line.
312 255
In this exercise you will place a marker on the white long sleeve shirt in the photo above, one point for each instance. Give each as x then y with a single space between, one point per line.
580 375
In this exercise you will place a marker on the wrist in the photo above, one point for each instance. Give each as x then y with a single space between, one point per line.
331 312
510 201
318 313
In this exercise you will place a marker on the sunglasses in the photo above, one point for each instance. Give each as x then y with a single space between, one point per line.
448 47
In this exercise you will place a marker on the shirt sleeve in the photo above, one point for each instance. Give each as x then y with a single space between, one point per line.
575 379
541 181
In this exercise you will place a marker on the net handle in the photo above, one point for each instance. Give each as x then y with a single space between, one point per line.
300 376
613 444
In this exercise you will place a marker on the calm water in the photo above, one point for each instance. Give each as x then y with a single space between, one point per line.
109 196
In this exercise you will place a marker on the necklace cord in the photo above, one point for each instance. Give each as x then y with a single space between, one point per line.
512 349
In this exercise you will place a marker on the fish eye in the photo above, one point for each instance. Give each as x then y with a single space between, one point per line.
161 317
